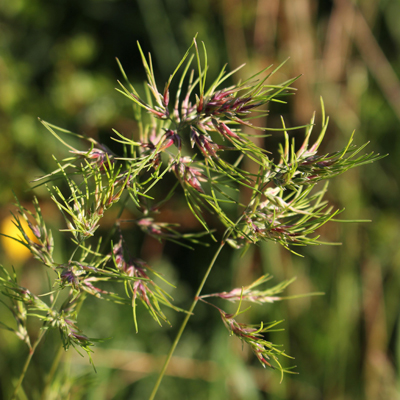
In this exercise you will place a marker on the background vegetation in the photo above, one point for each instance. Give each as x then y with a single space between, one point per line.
57 62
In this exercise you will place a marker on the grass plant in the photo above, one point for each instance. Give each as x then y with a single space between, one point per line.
198 138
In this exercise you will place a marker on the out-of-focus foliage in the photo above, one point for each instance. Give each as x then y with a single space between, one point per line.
57 63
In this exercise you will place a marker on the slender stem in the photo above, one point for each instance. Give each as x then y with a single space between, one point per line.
27 362
184 323
32 352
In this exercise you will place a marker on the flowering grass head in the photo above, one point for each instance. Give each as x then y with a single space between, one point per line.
184 137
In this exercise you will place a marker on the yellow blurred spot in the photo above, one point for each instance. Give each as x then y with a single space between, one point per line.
15 251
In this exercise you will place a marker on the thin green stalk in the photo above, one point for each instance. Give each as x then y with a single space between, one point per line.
26 365
184 323
31 353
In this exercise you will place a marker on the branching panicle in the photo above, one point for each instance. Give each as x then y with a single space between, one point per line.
188 141
249 293
144 288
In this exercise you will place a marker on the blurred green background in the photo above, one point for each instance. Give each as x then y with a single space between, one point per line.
57 62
